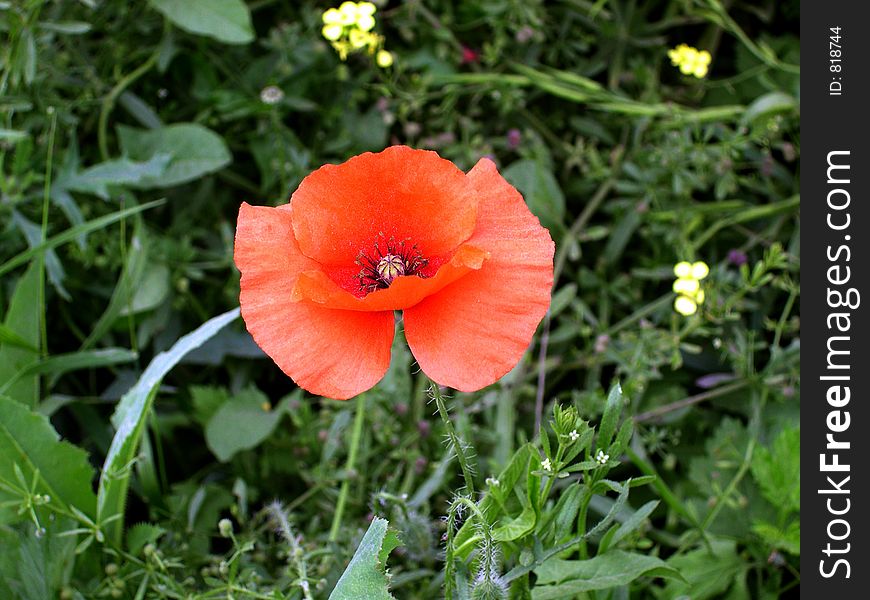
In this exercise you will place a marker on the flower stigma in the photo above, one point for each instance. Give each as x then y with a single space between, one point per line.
389 260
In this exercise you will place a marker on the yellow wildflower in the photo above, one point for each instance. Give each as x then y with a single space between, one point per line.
688 286
685 306
384 59
332 31
349 29
348 13
358 38
332 17
690 61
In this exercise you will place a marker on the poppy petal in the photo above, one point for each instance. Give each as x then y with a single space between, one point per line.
403 292
342 210
333 353
475 330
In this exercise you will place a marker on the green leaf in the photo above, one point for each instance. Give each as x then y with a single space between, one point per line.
129 282
123 171
62 363
195 151
11 337
241 423
629 525
512 529
72 233
778 471
788 539
365 576
540 190
559 579
129 420
141 534
28 440
612 410
768 105
53 267
22 319
12 135
566 510
206 401
41 564
151 292
228 21
705 575
68 27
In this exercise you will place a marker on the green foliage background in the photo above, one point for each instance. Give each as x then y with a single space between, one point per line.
136 413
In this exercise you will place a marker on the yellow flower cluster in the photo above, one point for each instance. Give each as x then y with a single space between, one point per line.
349 29
688 286
691 61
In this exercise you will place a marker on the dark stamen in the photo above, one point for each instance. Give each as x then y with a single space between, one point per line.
389 260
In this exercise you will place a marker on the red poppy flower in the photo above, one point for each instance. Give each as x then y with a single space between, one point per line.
460 254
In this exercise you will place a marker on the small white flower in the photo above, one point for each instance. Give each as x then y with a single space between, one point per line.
574 436
271 94
545 464
602 458
492 481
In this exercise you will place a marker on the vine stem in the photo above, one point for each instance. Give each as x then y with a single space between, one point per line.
454 439
356 436
112 96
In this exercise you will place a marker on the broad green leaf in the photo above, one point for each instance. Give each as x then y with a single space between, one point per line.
559 579
778 470
120 172
151 291
73 232
11 337
365 576
22 319
512 529
540 190
194 150
241 423
28 440
768 105
509 478
207 400
706 575
129 420
228 21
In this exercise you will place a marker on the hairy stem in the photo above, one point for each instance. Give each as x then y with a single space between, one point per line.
435 391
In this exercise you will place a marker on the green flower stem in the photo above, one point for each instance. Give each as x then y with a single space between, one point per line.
454 439
581 522
356 436
46 193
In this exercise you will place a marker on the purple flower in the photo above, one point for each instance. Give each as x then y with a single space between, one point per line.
737 257
514 137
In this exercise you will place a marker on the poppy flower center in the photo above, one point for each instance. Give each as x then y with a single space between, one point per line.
387 260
